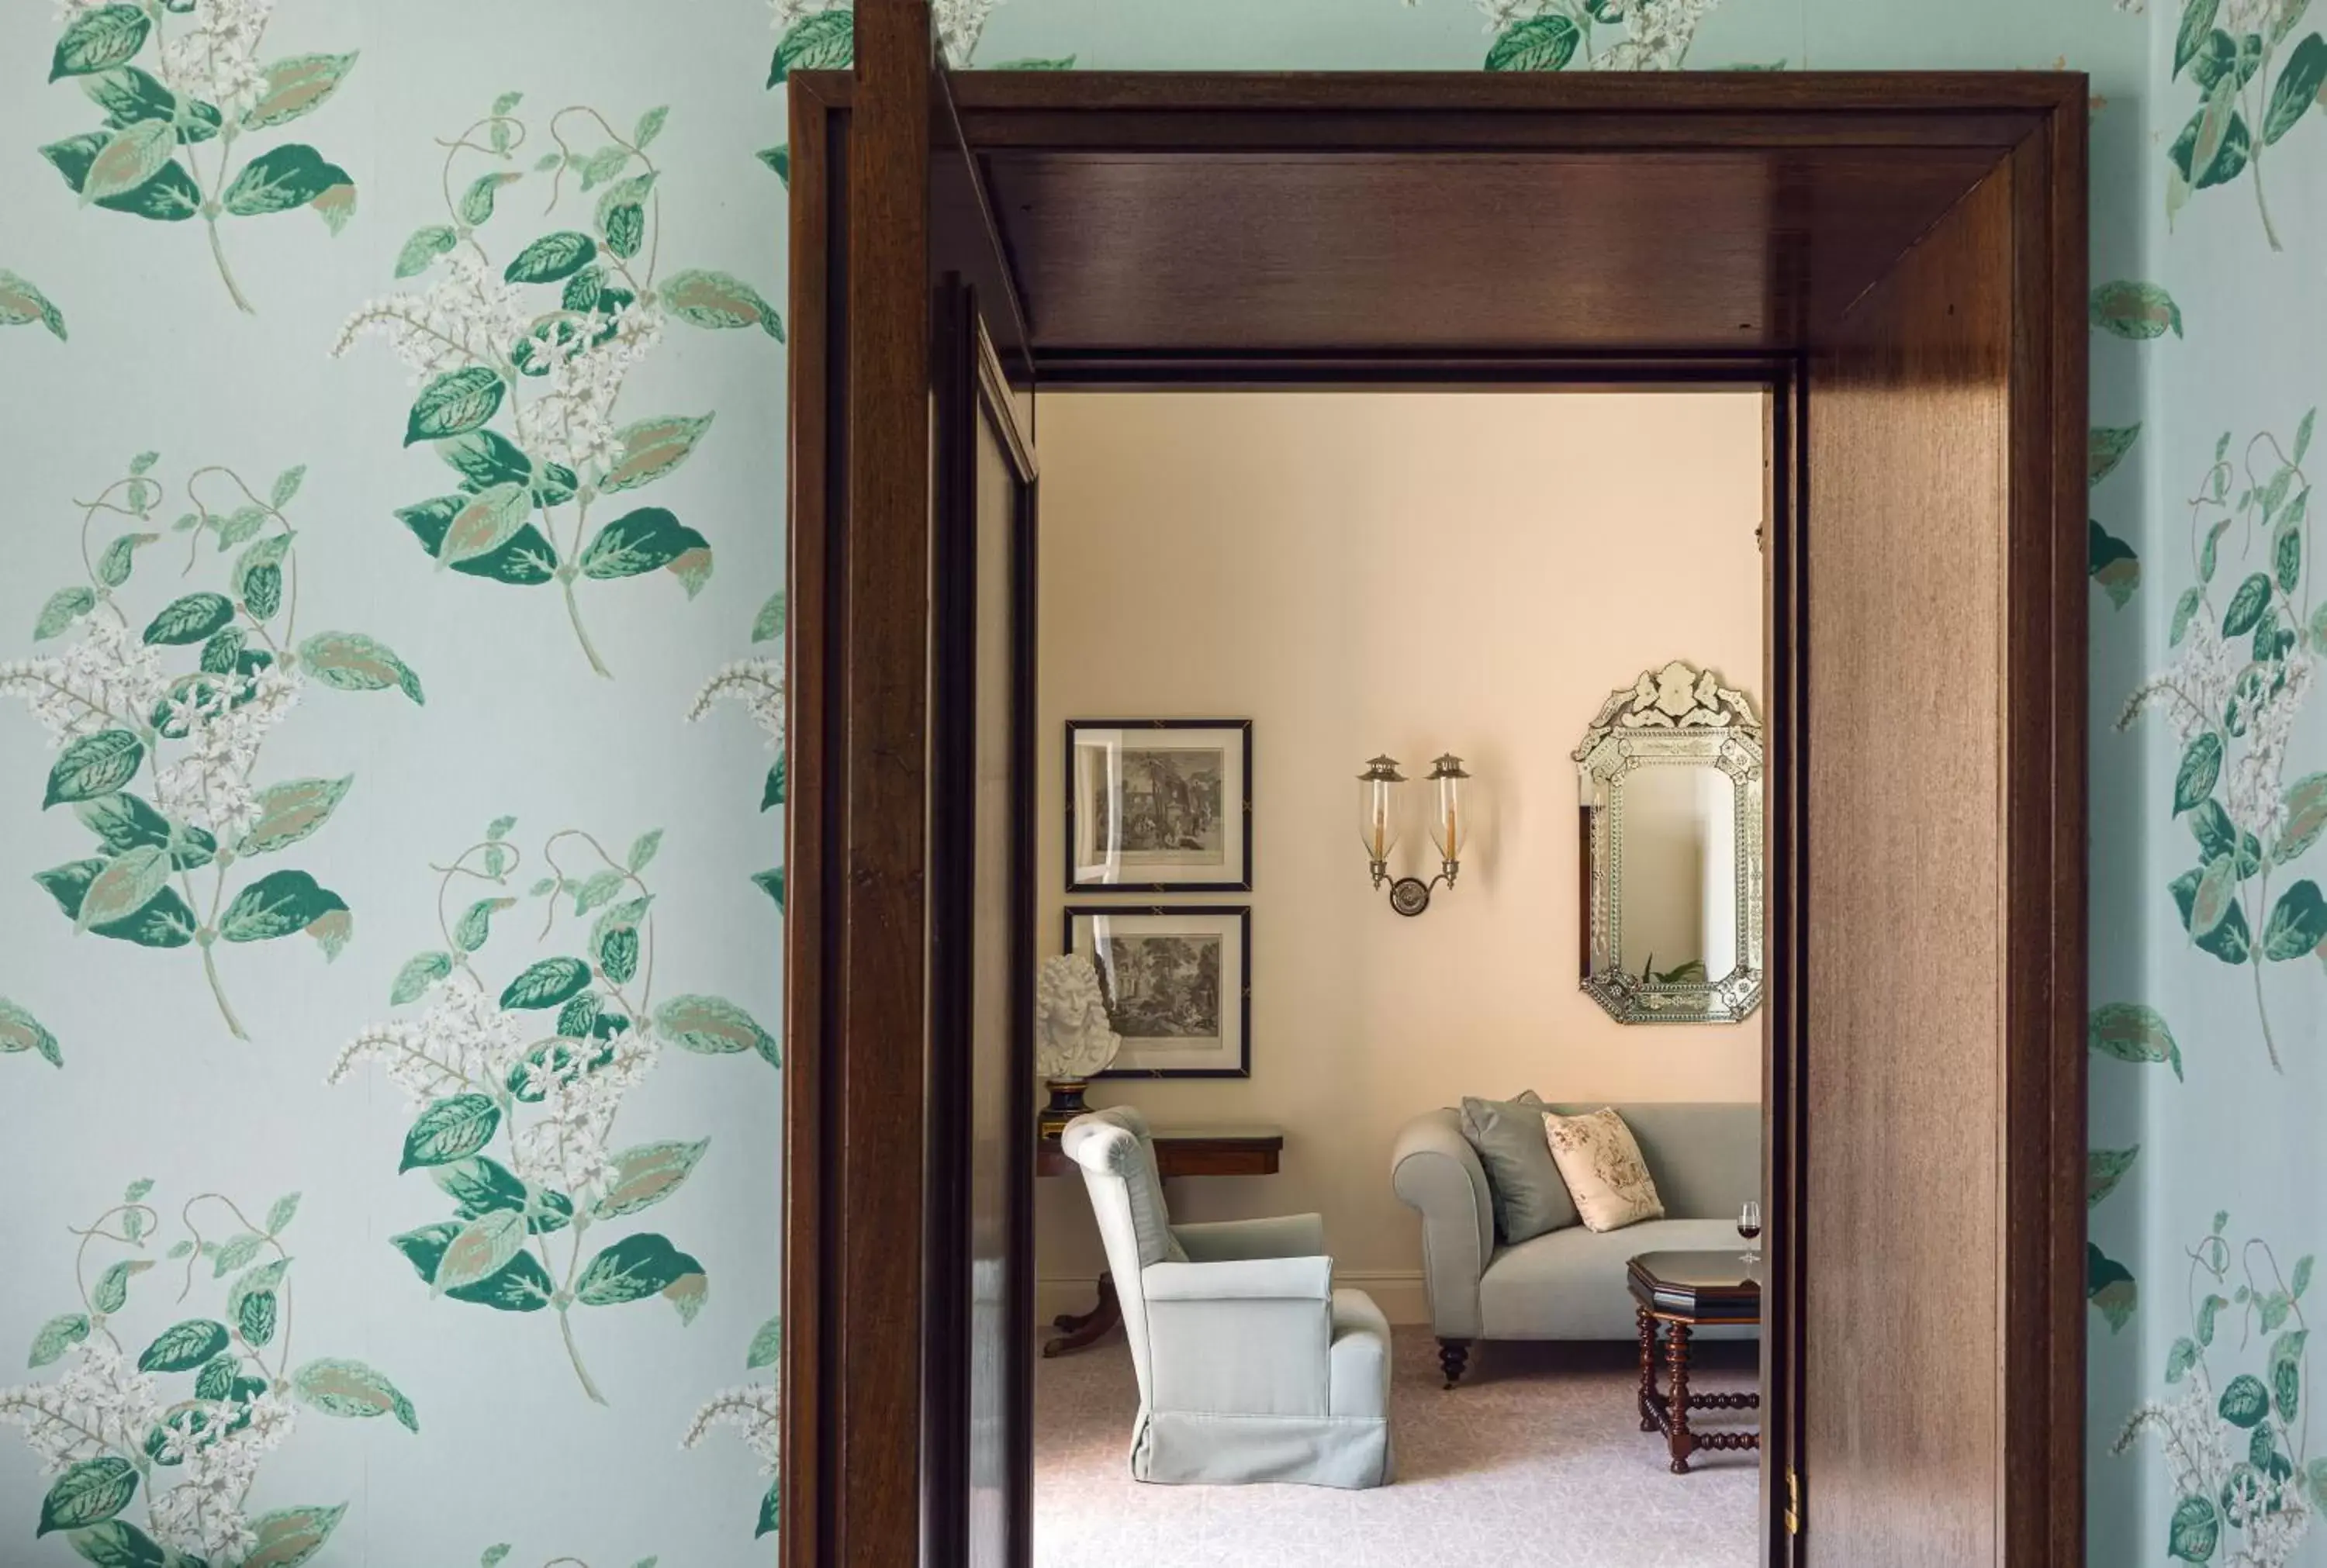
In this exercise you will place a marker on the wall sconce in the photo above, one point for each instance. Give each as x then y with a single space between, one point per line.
1380 790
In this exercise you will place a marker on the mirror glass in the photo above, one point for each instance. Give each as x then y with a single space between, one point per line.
1670 775
1679 873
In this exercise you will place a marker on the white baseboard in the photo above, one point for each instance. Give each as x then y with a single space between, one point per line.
1399 1294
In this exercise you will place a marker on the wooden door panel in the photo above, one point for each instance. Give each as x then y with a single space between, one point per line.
858 958
1902 1014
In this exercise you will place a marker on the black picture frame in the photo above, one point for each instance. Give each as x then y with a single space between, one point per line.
1242 1012
1236 811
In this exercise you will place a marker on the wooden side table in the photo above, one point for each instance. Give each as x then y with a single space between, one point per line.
1686 1290
1179 1152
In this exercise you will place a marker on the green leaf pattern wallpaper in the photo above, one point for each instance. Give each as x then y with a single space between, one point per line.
299 638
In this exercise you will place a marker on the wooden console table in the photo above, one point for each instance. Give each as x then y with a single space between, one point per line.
1179 1152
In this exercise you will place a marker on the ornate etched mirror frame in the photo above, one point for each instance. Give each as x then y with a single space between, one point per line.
1676 716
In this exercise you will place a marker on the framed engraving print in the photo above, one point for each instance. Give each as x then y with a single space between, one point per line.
1178 987
1159 806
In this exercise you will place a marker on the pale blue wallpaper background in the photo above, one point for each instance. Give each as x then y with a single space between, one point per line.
532 1134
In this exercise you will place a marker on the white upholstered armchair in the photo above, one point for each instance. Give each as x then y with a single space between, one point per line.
1251 1366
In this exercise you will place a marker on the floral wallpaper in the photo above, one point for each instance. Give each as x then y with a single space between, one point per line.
429 1214
391 902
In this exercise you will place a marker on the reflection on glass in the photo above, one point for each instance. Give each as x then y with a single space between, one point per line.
1680 875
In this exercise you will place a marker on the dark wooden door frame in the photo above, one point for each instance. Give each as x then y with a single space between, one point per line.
860 563
972 389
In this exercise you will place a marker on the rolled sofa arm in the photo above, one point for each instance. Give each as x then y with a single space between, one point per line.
1436 1173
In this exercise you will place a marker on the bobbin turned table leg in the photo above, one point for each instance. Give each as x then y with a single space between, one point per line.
1677 1359
1647 1371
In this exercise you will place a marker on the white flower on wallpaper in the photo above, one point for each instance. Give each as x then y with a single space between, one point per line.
184 1427
959 22
463 318
162 765
758 684
755 1410
2246 642
537 1073
1556 34
2203 682
218 58
2247 1487
75 692
166 150
543 339
821 35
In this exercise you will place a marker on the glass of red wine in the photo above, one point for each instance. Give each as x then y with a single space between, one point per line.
1749 1226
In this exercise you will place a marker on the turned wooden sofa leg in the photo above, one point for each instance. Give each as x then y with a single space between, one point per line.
1453 1355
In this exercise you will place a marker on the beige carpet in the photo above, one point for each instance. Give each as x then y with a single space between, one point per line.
1536 1458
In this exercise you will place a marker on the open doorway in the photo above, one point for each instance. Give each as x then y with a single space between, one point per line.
1248 599
1900 259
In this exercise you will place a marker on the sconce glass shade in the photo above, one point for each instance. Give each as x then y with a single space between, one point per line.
1450 829
1380 788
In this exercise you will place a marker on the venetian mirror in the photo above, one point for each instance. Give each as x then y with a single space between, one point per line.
1670 776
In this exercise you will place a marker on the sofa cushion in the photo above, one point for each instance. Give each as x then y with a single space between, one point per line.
1602 1167
1508 1135
1570 1284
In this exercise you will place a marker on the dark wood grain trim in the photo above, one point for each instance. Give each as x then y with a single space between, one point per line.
1763 94
1258 1155
970 391
1100 371
1026 586
885 900
950 138
1731 1303
1004 131
1707 1314
1785 675
1729 108
2042 1221
816 465
2067 921
945 1348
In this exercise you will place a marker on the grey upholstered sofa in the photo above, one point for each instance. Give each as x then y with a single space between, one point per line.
1251 1366
1568 1284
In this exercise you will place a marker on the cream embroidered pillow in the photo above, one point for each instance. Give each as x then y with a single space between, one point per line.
1602 1167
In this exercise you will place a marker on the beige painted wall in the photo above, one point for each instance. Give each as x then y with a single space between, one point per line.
1411 572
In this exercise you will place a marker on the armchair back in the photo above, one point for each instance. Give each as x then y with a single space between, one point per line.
1117 1157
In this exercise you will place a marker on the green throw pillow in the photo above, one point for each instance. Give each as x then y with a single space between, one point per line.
1529 1196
